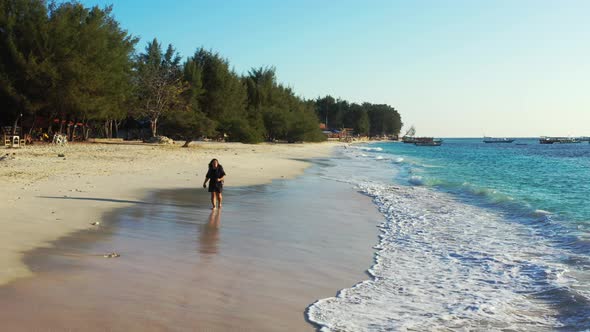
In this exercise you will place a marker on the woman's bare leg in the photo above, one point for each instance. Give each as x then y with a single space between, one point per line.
213 199
219 198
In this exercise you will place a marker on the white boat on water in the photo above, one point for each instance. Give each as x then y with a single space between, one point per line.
497 140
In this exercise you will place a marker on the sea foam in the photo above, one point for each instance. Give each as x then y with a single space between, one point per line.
442 264
366 148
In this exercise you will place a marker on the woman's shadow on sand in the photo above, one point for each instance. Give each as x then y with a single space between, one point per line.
122 201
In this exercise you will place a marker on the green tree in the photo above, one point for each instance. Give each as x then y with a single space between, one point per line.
26 69
384 119
192 123
93 62
276 111
305 125
325 108
160 84
358 119
65 60
225 95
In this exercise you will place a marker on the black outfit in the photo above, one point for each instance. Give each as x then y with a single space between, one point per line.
213 174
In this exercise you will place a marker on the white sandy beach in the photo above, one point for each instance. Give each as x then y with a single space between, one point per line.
115 175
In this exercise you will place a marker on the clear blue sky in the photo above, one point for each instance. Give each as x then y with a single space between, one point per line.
452 68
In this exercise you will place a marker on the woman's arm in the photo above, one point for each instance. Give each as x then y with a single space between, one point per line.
222 173
206 179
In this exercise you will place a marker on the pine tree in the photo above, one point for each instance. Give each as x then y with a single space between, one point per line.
26 69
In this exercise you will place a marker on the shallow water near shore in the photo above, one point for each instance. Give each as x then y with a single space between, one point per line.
254 265
477 237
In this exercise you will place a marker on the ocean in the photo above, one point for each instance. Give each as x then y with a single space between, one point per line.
476 237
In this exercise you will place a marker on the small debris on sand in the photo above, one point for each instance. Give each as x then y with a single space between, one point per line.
96 223
7 157
111 255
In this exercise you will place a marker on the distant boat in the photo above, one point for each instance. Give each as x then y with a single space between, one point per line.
559 140
497 140
419 141
409 135
429 141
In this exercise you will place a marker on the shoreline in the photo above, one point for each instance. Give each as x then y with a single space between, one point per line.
46 197
275 248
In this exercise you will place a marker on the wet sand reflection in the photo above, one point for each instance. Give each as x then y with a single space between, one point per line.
209 234
278 253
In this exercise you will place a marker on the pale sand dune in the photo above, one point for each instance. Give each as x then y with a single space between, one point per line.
115 176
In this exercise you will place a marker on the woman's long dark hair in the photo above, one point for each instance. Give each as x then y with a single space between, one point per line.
211 164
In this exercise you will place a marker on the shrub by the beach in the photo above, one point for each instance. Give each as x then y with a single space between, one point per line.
188 126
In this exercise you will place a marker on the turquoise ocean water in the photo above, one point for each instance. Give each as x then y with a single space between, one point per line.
477 237
524 176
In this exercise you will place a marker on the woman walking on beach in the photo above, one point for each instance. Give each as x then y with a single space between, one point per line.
215 176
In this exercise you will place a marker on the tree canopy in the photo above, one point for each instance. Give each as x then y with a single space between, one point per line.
75 66
366 118
160 83
65 61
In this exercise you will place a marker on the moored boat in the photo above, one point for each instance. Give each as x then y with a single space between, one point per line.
429 141
559 140
497 140
409 135
419 141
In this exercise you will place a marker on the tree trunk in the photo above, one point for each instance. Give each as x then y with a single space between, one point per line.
33 126
187 142
83 129
154 126
117 124
50 125
15 124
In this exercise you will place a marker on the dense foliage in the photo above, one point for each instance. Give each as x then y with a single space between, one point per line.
65 66
366 119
